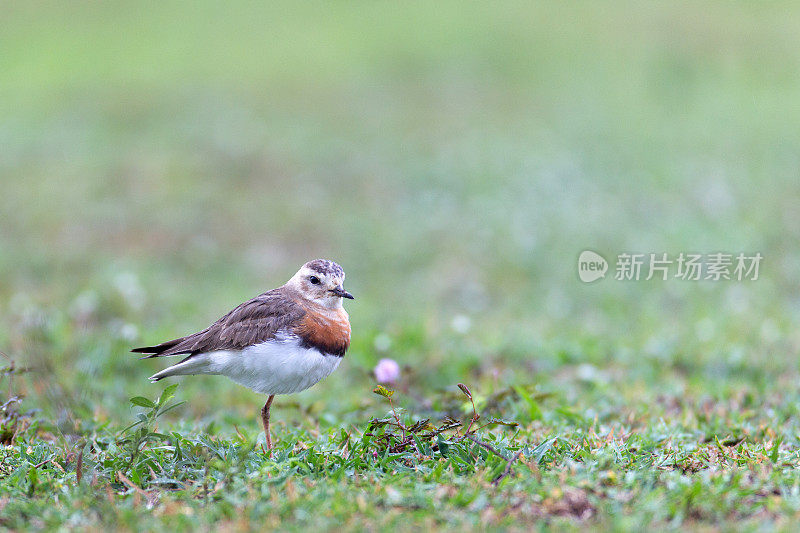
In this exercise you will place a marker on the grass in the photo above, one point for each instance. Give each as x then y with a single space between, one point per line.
676 463
161 164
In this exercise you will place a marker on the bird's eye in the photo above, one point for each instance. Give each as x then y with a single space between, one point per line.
314 280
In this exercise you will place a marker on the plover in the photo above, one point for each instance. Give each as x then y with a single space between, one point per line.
280 342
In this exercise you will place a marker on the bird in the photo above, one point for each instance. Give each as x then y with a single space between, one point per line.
280 342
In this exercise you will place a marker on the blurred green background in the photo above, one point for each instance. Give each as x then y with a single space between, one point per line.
161 162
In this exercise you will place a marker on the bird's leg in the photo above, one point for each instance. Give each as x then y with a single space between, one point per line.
265 420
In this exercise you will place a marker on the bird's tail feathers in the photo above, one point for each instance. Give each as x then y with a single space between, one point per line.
194 364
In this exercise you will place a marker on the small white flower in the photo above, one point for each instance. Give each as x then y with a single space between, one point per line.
382 342
769 331
129 332
84 306
461 324
586 372
127 283
387 371
124 330
704 329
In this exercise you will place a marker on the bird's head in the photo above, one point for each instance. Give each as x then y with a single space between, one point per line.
321 281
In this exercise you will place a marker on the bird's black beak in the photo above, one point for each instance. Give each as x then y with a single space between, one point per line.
339 291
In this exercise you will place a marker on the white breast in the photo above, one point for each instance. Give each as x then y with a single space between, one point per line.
279 366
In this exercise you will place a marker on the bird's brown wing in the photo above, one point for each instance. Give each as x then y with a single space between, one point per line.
252 322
